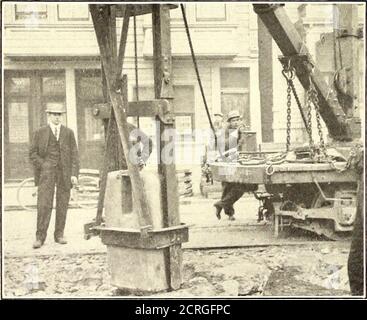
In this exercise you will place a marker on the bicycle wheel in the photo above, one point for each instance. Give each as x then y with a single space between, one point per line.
27 194
86 192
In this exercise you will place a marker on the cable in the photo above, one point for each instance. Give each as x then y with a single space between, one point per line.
197 72
136 67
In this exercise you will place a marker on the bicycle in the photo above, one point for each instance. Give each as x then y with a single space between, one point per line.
83 195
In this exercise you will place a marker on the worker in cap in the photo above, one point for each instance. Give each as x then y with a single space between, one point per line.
54 155
231 192
232 115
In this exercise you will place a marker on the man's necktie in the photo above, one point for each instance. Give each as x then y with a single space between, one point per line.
56 133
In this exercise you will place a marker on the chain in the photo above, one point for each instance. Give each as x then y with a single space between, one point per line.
309 121
289 74
315 101
289 114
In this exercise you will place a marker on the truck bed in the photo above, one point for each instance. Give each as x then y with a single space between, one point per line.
282 173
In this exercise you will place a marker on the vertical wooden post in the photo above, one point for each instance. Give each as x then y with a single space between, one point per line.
167 171
348 44
265 81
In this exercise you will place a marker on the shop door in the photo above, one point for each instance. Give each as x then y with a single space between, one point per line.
26 96
235 93
90 130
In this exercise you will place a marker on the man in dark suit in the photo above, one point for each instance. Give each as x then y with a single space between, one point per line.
54 155
231 191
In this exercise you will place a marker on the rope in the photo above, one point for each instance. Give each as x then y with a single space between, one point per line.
136 67
197 74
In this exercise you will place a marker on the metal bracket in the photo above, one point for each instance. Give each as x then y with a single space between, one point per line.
300 62
90 230
149 239
345 33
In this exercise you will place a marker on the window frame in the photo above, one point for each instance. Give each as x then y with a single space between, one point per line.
225 19
28 15
70 19
237 90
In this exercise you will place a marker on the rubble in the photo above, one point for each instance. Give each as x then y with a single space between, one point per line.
240 272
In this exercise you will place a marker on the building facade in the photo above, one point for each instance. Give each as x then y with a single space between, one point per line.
51 56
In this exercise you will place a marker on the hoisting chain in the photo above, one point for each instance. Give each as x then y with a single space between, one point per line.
289 116
289 74
322 147
315 100
309 97
319 154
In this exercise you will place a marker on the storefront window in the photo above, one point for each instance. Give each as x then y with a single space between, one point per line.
18 122
53 85
19 86
90 87
94 129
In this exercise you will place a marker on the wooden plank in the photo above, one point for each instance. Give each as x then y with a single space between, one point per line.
118 96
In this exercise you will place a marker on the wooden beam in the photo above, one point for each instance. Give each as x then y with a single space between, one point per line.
113 151
118 97
164 90
123 41
265 63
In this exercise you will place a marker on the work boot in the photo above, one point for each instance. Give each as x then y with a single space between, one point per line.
61 240
231 217
37 244
218 210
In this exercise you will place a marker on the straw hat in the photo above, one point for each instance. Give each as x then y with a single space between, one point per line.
55 108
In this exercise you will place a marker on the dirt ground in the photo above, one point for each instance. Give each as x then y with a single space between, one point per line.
306 270
221 259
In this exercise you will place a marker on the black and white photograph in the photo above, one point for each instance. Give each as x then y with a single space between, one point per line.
183 150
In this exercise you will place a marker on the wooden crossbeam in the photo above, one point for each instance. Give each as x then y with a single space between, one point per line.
148 108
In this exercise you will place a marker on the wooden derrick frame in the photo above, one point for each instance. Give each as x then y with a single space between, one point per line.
173 233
